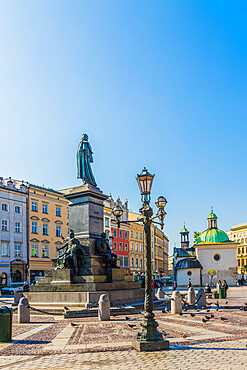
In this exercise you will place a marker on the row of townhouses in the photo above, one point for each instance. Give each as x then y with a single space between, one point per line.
35 222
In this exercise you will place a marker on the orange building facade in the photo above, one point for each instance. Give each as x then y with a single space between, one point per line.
48 217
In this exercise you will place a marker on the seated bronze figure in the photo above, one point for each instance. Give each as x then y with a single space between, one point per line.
103 249
72 255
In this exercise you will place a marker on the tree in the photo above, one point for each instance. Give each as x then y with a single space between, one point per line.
211 273
196 235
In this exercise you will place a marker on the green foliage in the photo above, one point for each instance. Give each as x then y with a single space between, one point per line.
196 235
211 273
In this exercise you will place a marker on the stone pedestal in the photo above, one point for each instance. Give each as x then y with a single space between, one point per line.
86 213
62 286
94 276
150 346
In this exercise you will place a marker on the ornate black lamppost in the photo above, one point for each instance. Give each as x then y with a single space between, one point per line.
149 339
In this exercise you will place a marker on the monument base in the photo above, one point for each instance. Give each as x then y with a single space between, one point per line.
62 287
150 346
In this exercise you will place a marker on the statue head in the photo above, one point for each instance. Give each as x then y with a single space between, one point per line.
84 137
103 235
72 234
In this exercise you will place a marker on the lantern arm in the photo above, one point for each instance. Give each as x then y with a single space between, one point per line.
127 222
153 218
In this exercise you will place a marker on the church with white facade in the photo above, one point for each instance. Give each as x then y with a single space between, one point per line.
212 250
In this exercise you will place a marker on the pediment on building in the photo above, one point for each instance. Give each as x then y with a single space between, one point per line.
58 222
34 240
45 219
45 241
34 218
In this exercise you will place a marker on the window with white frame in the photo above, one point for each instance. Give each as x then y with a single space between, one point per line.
4 225
17 227
141 262
34 227
132 262
120 247
126 262
34 206
45 229
17 250
4 249
17 209
44 208
136 235
115 246
5 207
58 230
131 234
120 234
132 247
137 261
141 250
114 233
140 235
121 261
126 247
45 251
107 222
136 247
125 235
34 250
58 211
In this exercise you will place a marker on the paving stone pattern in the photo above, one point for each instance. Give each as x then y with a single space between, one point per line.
53 343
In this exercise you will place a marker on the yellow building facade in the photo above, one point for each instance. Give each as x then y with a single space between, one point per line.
238 233
159 244
136 253
47 227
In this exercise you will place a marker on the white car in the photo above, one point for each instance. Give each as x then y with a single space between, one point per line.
13 288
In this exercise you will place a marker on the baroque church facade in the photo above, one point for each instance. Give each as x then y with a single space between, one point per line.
212 250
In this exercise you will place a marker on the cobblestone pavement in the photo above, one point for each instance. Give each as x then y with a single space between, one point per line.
226 355
52 343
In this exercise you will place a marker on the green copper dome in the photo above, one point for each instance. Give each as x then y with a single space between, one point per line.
212 215
212 236
184 230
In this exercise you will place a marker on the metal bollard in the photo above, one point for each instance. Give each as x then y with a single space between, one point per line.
202 301
176 303
104 308
191 296
160 294
23 311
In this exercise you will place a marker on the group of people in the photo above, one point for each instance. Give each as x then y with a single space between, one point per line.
221 285
207 287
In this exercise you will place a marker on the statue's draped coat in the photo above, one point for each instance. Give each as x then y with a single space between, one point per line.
84 158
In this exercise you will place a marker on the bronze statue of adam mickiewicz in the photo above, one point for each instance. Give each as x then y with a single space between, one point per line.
84 158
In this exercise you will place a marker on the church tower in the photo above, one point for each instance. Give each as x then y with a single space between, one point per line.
212 220
185 241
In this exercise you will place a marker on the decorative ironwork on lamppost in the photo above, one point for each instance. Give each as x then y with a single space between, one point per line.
149 338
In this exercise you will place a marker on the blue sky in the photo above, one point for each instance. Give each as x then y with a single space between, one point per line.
161 84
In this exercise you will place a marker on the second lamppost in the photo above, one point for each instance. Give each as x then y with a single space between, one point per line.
149 339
